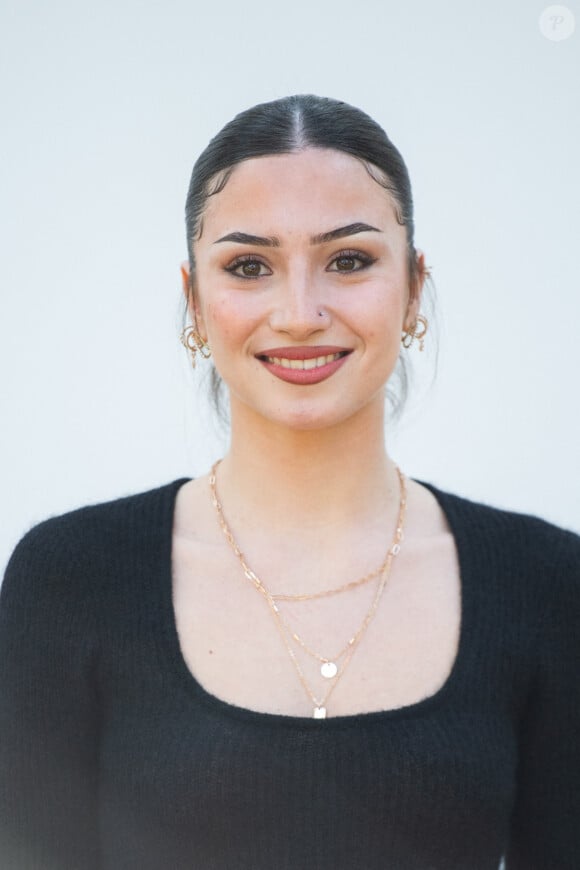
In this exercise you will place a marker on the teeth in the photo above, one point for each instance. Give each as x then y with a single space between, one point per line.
313 363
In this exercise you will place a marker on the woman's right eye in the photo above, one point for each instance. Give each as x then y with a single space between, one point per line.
248 267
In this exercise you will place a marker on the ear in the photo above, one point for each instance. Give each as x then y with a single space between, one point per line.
191 296
416 292
186 285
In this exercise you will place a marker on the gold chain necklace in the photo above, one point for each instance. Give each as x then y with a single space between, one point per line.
329 667
351 585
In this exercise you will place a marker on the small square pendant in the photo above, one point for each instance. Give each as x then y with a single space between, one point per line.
320 712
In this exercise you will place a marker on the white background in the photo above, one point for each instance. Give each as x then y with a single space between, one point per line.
106 105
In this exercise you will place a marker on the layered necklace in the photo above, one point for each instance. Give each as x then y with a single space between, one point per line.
331 668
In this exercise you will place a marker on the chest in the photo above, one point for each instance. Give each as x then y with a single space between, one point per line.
198 786
240 651
187 783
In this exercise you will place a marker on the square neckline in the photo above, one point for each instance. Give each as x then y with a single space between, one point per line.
185 676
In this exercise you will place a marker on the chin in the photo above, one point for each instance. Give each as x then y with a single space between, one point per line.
311 417
308 413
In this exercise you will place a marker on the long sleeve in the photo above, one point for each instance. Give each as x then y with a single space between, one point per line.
546 821
49 716
113 755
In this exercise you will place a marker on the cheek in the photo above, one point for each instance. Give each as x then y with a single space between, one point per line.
229 316
382 312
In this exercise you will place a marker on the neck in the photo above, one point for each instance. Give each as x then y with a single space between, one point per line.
288 479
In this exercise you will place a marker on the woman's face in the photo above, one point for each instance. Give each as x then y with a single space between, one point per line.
302 288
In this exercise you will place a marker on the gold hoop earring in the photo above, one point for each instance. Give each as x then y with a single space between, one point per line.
193 342
419 333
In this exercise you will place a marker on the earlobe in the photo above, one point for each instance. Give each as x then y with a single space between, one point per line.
416 290
411 314
187 287
191 298
422 272
185 282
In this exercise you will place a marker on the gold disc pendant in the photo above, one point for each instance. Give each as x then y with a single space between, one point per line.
319 713
328 670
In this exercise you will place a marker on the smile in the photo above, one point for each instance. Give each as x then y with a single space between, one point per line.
313 363
303 366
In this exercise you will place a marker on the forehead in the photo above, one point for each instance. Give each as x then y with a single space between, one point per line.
303 192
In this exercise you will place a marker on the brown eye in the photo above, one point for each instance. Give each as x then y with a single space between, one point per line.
351 262
248 268
345 264
251 269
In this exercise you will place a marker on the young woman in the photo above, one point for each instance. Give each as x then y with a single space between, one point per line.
303 659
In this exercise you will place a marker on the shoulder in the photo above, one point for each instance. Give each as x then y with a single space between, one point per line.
75 543
112 520
521 544
475 515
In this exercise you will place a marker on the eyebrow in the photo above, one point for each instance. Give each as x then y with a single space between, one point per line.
341 232
322 238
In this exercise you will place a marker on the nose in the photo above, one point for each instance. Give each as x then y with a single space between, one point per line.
298 308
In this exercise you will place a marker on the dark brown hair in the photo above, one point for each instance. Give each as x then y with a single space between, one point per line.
291 124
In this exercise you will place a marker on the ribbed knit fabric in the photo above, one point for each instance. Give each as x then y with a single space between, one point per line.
113 756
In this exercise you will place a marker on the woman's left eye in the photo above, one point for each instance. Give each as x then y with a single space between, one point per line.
350 261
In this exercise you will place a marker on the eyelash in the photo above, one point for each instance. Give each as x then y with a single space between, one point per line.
364 259
241 261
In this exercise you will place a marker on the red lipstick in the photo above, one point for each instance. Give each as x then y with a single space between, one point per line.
303 365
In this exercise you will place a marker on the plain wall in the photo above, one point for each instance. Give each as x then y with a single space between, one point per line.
105 107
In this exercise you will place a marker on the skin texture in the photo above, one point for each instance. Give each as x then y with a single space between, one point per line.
294 197
307 485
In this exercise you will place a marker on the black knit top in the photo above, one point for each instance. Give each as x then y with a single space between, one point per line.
113 756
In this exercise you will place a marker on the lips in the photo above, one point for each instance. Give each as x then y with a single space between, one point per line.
303 365
305 352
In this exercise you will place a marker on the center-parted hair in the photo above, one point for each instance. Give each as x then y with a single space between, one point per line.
291 124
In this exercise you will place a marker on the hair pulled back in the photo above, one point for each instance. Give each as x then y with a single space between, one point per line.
292 124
